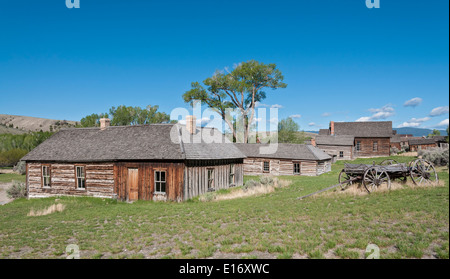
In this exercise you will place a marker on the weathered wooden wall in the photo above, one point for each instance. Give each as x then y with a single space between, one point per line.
367 147
99 180
417 147
396 145
323 167
146 185
196 177
333 150
254 166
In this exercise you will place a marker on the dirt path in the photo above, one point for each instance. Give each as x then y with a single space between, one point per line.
3 198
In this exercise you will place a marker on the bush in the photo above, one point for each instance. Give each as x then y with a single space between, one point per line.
17 190
437 156
394 151
250 184
266 180
11 157
20 168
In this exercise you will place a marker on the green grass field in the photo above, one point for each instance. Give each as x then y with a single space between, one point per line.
406 223
8 177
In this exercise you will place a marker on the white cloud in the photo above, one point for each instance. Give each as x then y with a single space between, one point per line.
443 123
326 114
414 122
414 102
277 106
295 116
260 105
311 124
439 111
378 113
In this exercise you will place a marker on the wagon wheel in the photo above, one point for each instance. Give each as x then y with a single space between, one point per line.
422 172
388 162
375 178
343 176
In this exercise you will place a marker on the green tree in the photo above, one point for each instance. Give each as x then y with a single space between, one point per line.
288 132
123 115
92 120
434 133
239 89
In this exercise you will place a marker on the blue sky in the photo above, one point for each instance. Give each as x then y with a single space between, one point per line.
341 60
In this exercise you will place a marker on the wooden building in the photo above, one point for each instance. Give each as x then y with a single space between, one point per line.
338 147
422 144
288 159
371 139
143 162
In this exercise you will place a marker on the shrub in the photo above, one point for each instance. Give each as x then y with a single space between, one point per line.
20 167
250 184
394 151
17 190
266 180
437 156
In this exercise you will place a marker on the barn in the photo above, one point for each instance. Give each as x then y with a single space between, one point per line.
169 162
289 159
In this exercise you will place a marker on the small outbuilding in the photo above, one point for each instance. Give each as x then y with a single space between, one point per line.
288 159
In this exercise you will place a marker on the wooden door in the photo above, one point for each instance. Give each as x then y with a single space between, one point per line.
133 185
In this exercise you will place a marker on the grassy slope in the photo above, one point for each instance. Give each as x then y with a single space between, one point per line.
403 223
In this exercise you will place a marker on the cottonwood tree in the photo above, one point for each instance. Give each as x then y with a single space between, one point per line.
239 89
288 132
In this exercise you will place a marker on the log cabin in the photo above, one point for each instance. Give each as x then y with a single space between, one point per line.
422 144
371 139
338 147
168 162
288 159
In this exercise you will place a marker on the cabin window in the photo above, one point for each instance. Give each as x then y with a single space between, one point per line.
266 166
210 178
160 181
232 170
358 146
81 177
341 154
375 146
46 176
296 168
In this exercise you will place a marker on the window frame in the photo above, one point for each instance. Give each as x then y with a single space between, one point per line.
358 145
49 176
83 177
232 175
268 166
375 146
155 181
341 154
299 168
210 179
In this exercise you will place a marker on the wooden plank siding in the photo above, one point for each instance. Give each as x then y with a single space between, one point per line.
254 166
417 147
334 151
196 176
367 147
146 175
99 180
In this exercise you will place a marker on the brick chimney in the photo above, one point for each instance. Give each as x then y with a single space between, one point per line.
104 123
313 141
191 124
332 128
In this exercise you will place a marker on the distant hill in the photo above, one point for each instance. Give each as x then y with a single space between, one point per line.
23 124
417 132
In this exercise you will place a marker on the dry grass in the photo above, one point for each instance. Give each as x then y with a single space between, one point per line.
408 154
51 209
253 191
357 189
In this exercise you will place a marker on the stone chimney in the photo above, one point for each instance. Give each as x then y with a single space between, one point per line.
104 123
191 124
332 128
313 141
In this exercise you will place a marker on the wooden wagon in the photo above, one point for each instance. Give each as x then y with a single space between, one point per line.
422 172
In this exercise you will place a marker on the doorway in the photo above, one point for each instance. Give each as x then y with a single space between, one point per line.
133 184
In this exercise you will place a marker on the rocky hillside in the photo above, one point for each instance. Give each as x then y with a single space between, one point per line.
19 124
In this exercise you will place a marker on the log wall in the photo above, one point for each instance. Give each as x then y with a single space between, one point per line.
99 180
417 147
254 166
